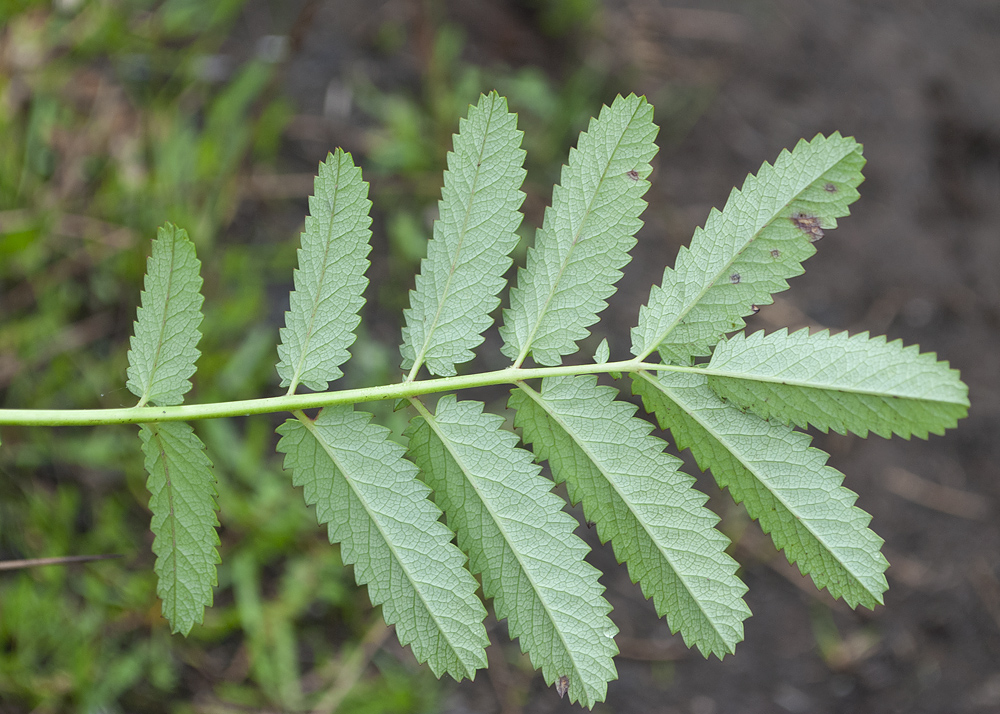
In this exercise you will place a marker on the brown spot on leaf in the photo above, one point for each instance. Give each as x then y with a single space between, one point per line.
808 225
633 174
734 278
754 309
775 253
830 188
562 686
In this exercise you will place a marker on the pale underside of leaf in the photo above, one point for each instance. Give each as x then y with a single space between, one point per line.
521 542
783 482
749 250
636 496
163 348
603 352
467 257
377 509
585 236
839 382
182 498
330 279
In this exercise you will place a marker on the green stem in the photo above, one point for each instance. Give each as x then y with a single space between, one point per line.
292 402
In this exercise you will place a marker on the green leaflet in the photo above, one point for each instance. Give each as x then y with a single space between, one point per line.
376 508
163 348
180 481
585 236
748 251
603 353
839 382
459 279
782 481
636 496
330 279
521 541
182 499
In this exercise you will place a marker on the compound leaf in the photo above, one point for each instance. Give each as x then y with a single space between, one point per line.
376 508
839 382
636 496
330 279
163 348
521 541
783 482
182 499
467 257
585 236
748 251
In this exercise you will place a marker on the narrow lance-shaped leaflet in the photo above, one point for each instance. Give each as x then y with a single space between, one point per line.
638 499
856 384
377 509
467 257
783 482
521 542
748 251
164 343
330 280
180 481
182 498
585 236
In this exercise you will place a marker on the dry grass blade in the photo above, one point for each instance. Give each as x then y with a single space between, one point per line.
63 560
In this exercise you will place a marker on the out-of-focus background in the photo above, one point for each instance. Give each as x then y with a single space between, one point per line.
119 115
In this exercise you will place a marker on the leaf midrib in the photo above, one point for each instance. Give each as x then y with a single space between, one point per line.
823 386
168 485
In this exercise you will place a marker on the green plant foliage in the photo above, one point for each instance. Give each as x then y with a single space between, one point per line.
88 171
640 501
783 482
521 542
747 252
164 345
732 411
374 506
181 485
182 499
330 278
467 257
838 382
585 237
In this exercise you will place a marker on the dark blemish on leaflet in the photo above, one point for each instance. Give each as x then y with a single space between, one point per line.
734 278
633 174
775 253
562 686
830 188
808 225
754 309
